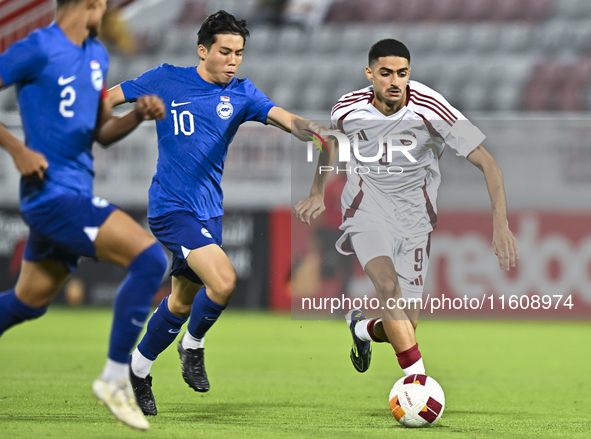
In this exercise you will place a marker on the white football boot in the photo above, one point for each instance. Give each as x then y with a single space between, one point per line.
118 397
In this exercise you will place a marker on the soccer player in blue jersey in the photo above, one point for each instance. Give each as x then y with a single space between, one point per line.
59 73
205 107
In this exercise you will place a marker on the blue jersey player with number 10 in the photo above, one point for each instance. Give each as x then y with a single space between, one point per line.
205 107
59 72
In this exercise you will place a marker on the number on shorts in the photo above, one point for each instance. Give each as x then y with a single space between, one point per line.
418 259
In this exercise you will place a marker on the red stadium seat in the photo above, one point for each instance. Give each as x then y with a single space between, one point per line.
193 13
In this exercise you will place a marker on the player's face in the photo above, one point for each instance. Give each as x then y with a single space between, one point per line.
223 58
389 75
96 10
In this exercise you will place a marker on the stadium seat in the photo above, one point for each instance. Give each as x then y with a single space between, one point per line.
538 10
483 38
193 13
260 40
444 10
451 39
476 10
515 38
291 40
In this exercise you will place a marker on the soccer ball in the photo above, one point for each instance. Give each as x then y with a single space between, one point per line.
417 401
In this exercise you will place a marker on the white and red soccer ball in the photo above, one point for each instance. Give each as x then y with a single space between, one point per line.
417 401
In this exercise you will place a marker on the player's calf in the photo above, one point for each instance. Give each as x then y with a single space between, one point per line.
13 311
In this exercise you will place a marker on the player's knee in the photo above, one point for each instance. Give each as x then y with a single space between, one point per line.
225 286
387 289
152 261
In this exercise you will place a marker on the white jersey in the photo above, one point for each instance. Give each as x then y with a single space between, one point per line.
392 188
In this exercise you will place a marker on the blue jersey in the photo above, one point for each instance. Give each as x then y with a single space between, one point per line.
59 87
202 119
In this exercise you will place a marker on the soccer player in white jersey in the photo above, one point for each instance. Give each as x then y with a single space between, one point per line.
388 202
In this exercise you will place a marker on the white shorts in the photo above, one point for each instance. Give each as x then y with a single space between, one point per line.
409 255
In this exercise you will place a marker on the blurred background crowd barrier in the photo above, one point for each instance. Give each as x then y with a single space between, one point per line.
521 70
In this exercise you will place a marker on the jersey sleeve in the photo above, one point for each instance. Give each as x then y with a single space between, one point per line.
451 125
144 84
23 61
259 105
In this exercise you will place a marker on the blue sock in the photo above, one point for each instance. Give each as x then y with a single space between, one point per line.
204 314
132 304
163 328
13 311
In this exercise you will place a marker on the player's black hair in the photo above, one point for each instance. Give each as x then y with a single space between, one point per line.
388 47
220 22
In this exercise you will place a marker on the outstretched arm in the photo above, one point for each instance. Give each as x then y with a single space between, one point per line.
313 205
110 129
291 123
504 243
28 162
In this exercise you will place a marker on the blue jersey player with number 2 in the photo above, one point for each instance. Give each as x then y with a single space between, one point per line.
205 107
59 72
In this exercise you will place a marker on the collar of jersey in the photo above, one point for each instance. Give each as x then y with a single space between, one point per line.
395 116
63 35
209 85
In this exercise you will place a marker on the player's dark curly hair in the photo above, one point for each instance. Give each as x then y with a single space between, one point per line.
220 22
388 47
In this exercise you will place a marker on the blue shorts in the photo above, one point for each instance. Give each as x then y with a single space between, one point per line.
64 228
180 232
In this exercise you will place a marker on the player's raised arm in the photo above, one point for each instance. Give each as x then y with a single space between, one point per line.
28 162
113 128
313 205
504 243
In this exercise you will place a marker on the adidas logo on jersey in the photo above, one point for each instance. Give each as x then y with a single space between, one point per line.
418 281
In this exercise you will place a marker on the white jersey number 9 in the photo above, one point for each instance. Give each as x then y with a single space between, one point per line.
68 96
180 120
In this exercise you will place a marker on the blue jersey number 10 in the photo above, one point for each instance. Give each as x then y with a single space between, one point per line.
180 120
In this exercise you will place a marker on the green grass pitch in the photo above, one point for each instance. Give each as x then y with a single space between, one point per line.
272 377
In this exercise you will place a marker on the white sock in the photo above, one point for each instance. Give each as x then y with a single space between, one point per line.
140 365
115 371
190 342
417 367
361 330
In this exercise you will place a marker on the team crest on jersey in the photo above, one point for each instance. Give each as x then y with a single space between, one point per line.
96 75
225 108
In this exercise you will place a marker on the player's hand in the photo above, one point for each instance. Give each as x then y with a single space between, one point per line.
505 246
303 130
309 208
30 163
150 107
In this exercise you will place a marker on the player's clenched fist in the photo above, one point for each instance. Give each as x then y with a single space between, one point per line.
150 107
30 163
309 208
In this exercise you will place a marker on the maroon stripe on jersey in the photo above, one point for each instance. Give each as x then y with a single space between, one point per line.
430 127
353 97
349 213
413 100
428 249
341 105
438 104
430 210
340 121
